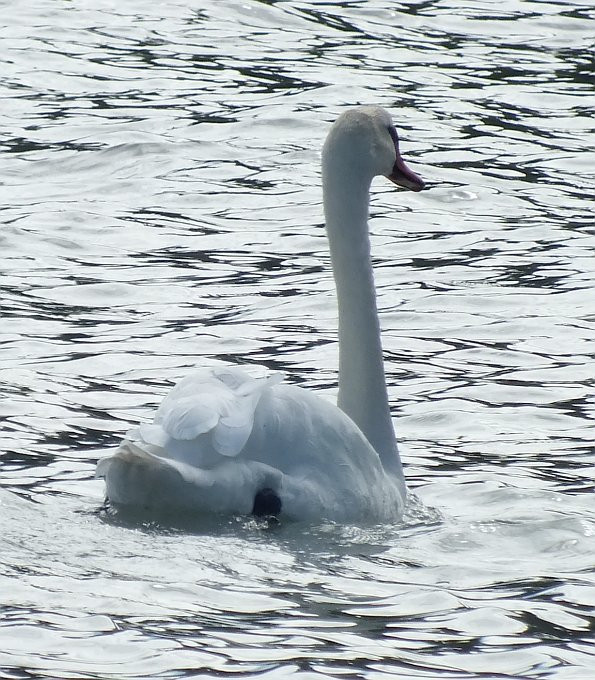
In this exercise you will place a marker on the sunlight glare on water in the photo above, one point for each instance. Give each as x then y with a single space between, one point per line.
161 209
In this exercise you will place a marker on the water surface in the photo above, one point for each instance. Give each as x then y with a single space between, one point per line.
161 209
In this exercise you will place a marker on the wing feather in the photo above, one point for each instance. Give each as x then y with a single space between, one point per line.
220 402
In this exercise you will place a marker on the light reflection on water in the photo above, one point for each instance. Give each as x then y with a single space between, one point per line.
161 207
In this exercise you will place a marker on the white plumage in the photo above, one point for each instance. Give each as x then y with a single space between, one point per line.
222 436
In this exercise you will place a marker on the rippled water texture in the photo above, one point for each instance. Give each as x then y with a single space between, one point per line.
161 208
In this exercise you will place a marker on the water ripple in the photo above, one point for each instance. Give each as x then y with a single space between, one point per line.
161 208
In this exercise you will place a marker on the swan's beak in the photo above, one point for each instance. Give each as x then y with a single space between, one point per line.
405 177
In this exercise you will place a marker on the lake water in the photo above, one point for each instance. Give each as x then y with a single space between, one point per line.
161 209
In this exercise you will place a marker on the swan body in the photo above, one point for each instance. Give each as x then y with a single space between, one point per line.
223 441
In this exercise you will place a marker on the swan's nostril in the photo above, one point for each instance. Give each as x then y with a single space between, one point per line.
266 503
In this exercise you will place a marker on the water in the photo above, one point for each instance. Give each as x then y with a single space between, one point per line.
161 209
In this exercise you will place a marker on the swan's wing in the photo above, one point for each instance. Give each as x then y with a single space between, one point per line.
221 402
189 417
208 414
235 427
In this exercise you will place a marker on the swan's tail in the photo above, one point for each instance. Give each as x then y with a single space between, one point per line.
140 478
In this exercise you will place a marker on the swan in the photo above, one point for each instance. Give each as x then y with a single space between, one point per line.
223 441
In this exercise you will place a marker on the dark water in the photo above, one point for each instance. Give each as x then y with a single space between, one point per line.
161 209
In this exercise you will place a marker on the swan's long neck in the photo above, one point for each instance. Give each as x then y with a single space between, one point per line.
362 385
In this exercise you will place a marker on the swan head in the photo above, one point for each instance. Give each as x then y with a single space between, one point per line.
363 141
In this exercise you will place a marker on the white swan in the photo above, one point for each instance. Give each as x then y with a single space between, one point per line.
225 442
